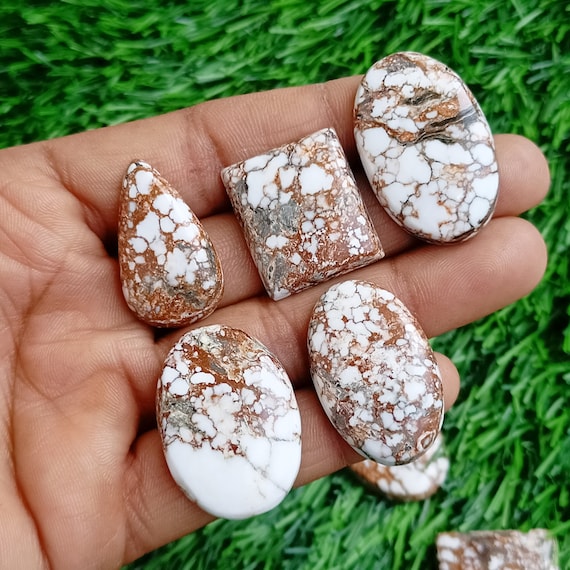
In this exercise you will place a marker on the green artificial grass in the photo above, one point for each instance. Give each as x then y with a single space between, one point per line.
81 64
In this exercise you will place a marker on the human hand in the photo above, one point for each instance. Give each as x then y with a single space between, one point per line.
83 481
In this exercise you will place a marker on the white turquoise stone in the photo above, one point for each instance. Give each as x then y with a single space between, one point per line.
229 421
497 550
426 148
170 272
375 373
303 217
414 481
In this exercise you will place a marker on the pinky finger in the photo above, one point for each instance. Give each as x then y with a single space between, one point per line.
156 510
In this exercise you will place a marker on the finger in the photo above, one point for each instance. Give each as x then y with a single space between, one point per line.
450 377
157 510
518 159
515 155
191 146
444 288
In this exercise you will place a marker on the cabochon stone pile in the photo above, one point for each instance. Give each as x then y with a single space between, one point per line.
426 147
170 273
375 373
229 422
414 481
497 550
302 214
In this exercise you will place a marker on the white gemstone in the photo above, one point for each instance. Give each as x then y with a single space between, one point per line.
170 272
303 217
232 438
375 373
414 481
426 148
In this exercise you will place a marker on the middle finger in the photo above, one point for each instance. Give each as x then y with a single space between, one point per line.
520 189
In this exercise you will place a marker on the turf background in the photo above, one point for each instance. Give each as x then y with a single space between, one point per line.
80 64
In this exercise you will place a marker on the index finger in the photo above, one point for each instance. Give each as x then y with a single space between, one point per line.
190 147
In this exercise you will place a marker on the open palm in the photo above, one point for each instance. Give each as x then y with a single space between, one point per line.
83 483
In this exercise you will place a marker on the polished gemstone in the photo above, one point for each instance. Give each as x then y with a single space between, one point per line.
170 273
375 373
414 481
426 147
500 550
302 214
229 422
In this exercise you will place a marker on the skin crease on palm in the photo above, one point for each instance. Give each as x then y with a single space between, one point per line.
83 482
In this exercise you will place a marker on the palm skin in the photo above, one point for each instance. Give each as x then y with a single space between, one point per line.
83 483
